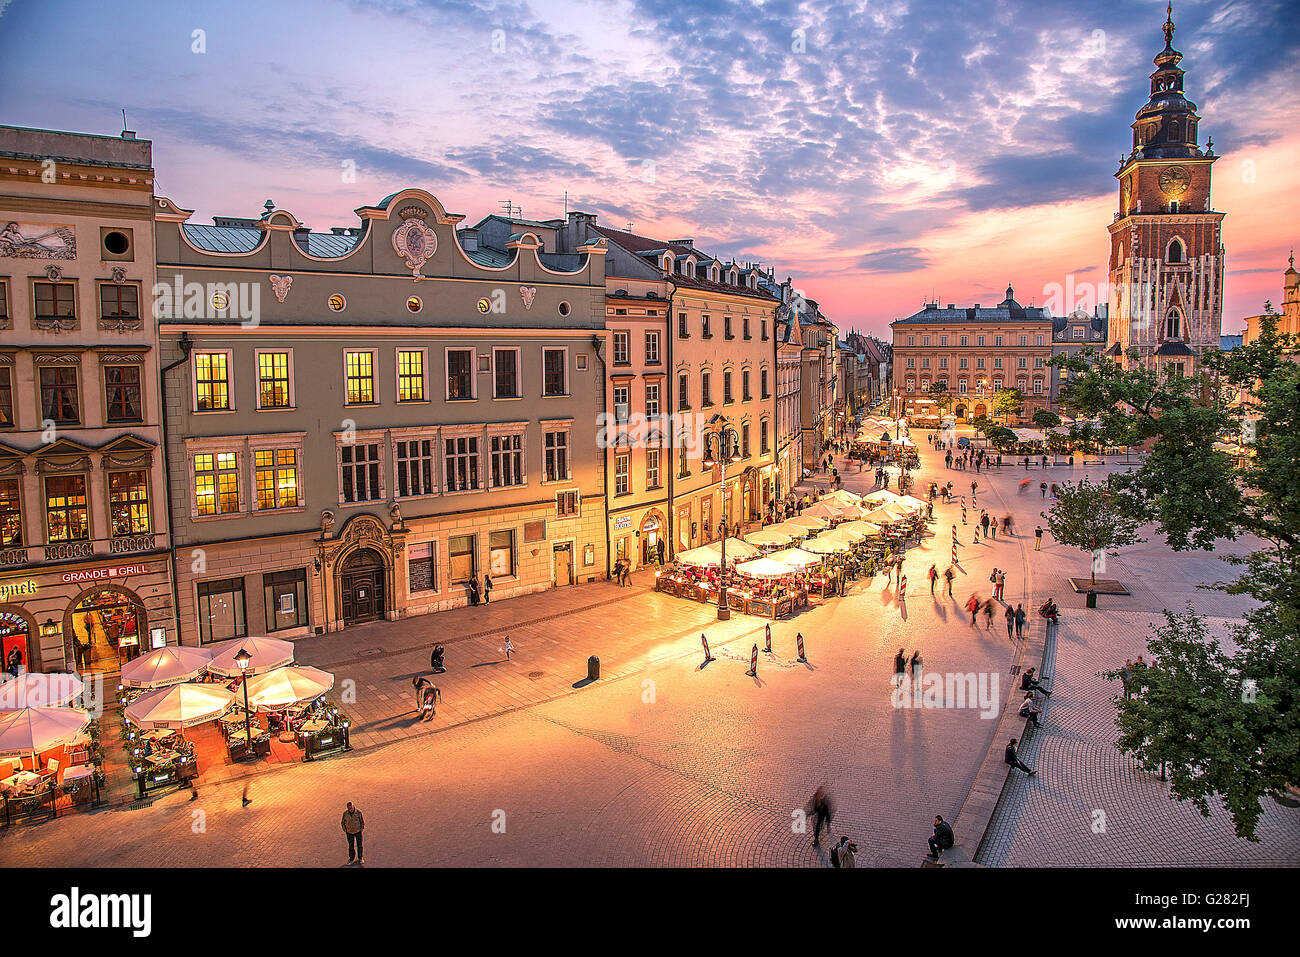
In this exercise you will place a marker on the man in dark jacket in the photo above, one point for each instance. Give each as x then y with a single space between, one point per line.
1029 682
1013 759
353 824
942 839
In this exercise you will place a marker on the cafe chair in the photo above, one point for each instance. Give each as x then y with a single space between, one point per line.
51 771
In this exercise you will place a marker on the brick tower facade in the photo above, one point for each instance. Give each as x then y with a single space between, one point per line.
1166 241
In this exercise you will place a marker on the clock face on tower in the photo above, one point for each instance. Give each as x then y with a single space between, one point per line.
1125 193
1174 181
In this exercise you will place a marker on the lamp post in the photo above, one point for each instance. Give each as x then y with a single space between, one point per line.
242 658
727 438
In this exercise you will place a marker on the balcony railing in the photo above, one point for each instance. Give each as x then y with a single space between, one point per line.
72 551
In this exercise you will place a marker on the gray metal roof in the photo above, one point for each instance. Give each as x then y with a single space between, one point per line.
487 256
222 239
1006 311
327 245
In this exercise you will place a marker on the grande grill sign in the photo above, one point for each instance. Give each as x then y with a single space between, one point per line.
100 574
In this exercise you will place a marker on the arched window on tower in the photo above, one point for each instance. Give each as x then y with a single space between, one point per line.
1173 325
1177 253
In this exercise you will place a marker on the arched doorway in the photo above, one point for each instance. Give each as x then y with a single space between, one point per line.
651 535
18 637
107 624
980 409
960 412
362 595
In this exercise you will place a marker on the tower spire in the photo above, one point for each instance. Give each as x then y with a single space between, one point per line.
1169 24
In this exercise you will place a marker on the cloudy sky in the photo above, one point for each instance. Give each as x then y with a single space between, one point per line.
882 152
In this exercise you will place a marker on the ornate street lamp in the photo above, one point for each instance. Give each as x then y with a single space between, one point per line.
727 438
242 658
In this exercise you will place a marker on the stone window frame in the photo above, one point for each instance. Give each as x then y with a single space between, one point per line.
257 367
146 467
547 426
424 375
118 360
360 437
213 445
420 433
465 430
506 428
276 442
374 377
230 381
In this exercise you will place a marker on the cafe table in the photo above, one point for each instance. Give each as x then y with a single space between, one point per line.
20 782
161 757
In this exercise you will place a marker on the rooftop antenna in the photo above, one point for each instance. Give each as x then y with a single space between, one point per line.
566 204
511 210
629 227
124 126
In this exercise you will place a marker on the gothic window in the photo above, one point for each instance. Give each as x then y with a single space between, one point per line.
1176 254
1173 325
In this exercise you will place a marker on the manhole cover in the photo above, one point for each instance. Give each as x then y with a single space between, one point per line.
534 675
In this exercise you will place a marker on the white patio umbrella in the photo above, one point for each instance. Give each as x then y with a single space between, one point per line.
913 501
737 550
881 497
842 496
166 666
180 706
769 536
849 512
796 558
32 730
788 528
267 655
882 516
822 510
764 568
285 686
899 509
865 527
703 557
845 532
826 545
807 521
34 690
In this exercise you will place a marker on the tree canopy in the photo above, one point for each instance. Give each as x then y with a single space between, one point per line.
1089 515
1008 402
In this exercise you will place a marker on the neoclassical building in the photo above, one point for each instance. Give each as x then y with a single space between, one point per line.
84 573
1166 240
363 421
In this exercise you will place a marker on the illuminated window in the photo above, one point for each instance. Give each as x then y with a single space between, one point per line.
277 478
128 502
410 375
273 380
216 483
359 370
65 509
212 381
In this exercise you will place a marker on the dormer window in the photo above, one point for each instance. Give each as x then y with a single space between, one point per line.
668 262
731 277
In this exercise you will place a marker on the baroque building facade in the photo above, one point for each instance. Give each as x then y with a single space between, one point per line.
84 572
364 423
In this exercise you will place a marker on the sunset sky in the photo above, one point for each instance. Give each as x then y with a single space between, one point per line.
880 152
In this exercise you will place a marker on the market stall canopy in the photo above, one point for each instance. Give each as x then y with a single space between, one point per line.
765 568
166 666
30 690
32 730
770 536
703 557
883 497
860 526
267 655
826 545
180 706
285 686
1029 435
796 558
822 510
807 521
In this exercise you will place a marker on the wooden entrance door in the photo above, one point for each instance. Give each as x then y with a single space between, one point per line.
564 564
361 582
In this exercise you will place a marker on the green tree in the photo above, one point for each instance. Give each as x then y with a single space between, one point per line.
1087 515
941 396
1008 402
1196 495
1045 419
999 436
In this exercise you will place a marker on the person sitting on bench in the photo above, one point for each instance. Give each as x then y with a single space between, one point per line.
1027 709
1029 682
942 839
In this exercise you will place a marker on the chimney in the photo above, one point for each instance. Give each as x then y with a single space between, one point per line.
952 305
468 238
128 134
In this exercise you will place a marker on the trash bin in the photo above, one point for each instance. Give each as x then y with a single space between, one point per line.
1092 598
593 668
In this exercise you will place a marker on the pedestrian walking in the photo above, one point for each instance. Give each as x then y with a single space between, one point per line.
1022 618
973 606
988 614
510 648
822 812
934 577
1038 538
487 588
844 854
1013 759
915 664
1042 488
948 576
353 824
1011 622
900 667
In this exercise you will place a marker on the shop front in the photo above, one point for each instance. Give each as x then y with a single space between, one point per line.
87 618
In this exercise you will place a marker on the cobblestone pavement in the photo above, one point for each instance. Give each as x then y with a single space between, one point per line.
661 762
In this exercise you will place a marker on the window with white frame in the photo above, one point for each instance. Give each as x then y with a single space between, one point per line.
212 382
652 400
505 374
556 456
652 468
622 468
274 379
555 373
411 375
276 478
460 463
507 459
651 347
360 472
216 483
622 348
415 467
359 373
460 374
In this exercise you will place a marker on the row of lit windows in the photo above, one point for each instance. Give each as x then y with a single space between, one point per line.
963 386
979 340
1022 362
214 376
66 504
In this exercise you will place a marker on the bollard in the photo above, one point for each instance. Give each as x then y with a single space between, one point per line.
708 656
799 641
767 631
753 662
